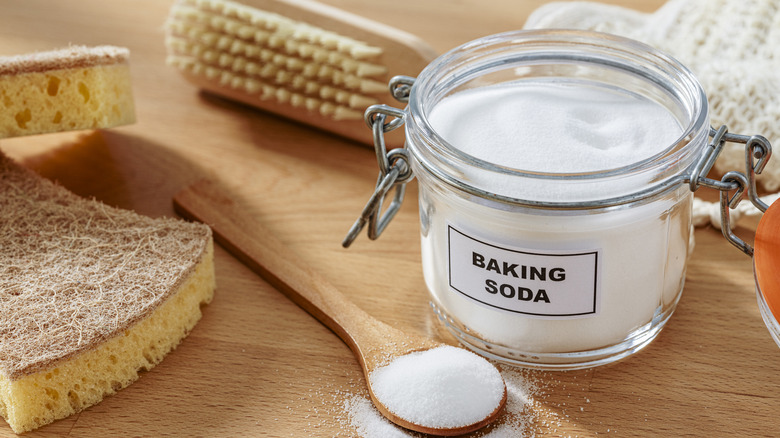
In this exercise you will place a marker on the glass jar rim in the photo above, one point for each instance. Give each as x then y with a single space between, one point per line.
469 60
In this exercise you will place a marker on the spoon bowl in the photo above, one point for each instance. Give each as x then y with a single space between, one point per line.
375 344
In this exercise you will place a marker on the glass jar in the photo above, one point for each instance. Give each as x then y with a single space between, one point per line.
589 266
560 268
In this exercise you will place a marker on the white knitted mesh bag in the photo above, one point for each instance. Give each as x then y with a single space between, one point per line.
733 48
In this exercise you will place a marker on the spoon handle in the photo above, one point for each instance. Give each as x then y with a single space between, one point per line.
244 237
373 342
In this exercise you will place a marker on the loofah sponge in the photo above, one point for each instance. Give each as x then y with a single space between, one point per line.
68 89
732 46
89 295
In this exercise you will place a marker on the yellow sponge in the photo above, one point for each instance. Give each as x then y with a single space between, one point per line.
89 295
68 89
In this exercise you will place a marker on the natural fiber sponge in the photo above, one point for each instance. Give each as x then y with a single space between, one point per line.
89 296
63 90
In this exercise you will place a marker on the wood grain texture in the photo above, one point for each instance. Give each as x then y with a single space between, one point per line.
256 364
374 343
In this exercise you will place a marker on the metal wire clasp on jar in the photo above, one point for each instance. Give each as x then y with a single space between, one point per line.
531 255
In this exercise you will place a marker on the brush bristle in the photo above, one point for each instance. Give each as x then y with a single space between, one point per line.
272 57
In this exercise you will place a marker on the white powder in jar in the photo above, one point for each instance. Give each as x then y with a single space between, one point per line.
554 127
444 387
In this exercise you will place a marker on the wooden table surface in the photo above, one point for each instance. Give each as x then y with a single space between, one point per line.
257 365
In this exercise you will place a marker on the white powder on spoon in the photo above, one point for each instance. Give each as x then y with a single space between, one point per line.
520 418
445 387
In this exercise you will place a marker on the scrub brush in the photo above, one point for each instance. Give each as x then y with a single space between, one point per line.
300 59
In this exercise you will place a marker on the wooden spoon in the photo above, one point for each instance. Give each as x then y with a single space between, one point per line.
374 343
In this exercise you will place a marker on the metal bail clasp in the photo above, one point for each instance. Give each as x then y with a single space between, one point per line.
756 148
394 169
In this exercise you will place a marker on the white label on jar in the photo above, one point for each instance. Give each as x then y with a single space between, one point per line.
550 284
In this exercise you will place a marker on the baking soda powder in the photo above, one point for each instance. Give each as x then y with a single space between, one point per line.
445 387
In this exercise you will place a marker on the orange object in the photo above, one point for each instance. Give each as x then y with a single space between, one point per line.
766 258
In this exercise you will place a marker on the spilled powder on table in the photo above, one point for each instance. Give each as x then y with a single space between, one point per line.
345 403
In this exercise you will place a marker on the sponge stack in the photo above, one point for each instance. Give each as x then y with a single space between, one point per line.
68 89
89 294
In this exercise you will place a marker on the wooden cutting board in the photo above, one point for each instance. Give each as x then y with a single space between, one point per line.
257 365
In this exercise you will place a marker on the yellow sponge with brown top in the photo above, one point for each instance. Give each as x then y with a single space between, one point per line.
89 296
63 90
